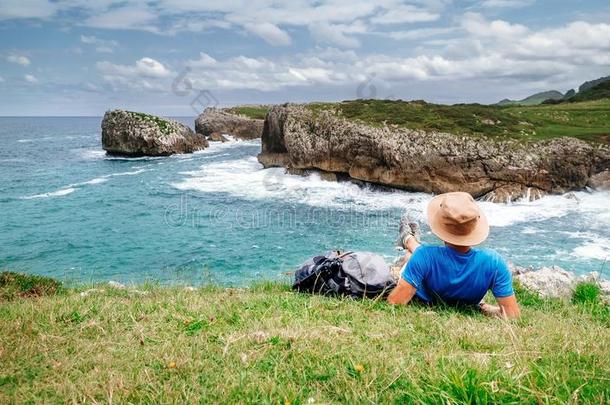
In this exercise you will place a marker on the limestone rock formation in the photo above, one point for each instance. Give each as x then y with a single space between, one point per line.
555 282
600 180
435 162
222 121
130 133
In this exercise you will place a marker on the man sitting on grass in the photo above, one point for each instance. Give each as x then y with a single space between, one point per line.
455 274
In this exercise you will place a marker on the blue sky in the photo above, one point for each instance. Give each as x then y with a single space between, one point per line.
174 57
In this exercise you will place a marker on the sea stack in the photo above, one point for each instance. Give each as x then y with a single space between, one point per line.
222 121
128 133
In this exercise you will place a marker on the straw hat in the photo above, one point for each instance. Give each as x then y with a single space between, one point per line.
456 218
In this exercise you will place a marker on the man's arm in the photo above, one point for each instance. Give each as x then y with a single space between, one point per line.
507 308
402 293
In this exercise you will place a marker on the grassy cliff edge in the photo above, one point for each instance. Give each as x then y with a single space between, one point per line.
587 120
267 344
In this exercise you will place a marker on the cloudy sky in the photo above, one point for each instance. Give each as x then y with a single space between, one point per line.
173 57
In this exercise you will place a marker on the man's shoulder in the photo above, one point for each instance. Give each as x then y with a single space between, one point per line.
487 254
427 250
491 258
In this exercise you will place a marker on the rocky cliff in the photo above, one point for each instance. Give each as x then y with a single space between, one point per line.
215 120
297 137
136 134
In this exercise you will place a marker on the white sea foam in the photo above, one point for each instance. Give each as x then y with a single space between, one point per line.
596 249
246 178
133 173
58 193
130 159
530 230
97 180
70 188
91 154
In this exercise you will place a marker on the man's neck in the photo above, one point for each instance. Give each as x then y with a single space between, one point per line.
459 249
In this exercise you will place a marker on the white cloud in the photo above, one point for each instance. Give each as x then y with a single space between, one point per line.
478 50
419 33
145 67
332 19
470 47
30 79
266 75
1 79
151 68
127 18
404 14
507 3
18 59
101 45
477 25
269 32
337 34
204 61
144 74
12 9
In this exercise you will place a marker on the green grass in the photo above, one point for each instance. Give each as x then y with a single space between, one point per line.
267 344
589 121
164 125
254 112
14 285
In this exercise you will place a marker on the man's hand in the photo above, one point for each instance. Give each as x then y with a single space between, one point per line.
507 308
402 294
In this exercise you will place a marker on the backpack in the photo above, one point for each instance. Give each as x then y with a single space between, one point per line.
352 274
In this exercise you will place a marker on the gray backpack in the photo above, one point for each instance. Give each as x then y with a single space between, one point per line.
353 274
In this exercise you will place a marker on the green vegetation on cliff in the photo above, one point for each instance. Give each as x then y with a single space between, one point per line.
588 120
267 344
251 111
165 126
597 92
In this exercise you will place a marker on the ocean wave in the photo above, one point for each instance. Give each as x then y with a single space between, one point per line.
246 178
97 180
130 159
133 173
595 249
58 193
70 188
91 154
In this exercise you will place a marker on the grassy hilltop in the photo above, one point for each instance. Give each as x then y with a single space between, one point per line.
267 344
587 120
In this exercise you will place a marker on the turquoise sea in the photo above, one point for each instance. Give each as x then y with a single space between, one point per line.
69 211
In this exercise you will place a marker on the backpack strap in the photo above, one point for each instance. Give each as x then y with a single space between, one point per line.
344 254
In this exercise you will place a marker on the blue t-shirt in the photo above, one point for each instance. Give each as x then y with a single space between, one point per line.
442 274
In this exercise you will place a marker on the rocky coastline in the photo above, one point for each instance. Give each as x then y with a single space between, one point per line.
298 138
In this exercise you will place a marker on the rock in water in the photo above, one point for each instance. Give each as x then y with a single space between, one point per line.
217 137
218 120
130 133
